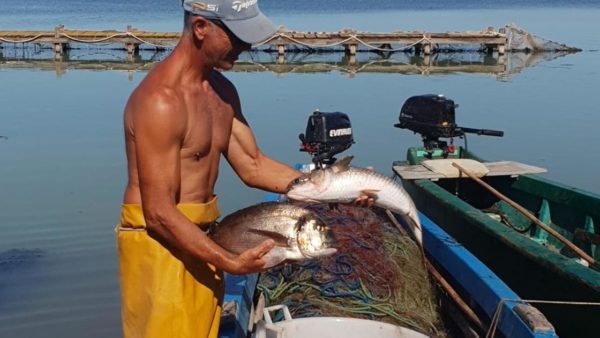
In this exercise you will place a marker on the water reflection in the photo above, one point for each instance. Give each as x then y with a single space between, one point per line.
503 66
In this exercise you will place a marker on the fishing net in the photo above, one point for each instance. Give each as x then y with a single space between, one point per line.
378 273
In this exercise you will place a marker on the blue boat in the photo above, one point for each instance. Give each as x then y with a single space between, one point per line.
499 308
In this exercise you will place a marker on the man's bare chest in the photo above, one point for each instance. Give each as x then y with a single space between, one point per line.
208 130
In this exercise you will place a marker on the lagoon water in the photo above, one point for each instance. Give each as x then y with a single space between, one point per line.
62 165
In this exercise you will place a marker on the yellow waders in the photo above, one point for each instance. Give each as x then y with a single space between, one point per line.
165 294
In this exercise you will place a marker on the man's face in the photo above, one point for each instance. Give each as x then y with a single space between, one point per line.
227 46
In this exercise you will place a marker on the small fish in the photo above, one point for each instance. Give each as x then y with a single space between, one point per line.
299 234
340 183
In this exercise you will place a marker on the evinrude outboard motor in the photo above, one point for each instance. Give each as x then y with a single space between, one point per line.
433 116
327 134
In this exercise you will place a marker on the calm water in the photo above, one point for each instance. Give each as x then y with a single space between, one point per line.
62 165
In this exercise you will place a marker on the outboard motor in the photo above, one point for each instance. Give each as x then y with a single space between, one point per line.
433 116
327 134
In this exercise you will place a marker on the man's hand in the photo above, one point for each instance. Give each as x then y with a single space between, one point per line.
251 260
366 199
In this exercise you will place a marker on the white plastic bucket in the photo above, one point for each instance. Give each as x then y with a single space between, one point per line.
328 327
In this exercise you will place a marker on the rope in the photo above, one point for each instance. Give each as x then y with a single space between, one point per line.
278 35
424 38
22 41
149 43
72 38
126 34
310 45
496 318
344 41
93 41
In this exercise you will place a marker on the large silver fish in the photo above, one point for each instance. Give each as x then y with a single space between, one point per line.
340 183
298 233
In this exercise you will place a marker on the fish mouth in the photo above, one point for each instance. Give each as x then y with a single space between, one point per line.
299 197
293 194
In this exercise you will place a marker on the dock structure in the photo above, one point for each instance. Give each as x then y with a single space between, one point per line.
350 40
60 38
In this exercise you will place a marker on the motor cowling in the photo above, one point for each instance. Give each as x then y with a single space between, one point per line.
430 115
327 134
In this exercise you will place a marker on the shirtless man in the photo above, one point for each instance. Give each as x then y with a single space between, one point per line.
178 122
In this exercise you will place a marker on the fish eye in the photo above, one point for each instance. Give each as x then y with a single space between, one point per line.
301 179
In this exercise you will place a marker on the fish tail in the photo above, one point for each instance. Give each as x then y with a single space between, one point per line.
415 226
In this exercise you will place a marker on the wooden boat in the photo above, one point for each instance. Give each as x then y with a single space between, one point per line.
487 295
533 263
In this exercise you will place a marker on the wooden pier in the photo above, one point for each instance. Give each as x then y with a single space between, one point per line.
351 41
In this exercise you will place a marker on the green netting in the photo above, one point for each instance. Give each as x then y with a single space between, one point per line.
378 273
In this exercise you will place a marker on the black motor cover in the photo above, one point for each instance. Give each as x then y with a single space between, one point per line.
328 128
430 115
327 134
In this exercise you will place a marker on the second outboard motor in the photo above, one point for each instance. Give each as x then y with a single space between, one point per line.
433 116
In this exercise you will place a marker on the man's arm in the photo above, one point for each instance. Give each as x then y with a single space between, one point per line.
160 125
254 168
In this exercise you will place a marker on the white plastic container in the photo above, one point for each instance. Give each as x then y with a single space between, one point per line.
327 327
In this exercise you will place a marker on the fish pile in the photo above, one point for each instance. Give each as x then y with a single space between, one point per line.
340 183
299 234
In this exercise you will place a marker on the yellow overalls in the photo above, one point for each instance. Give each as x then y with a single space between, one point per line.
166 294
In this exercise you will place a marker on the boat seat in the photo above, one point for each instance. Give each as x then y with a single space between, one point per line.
445 167
442 168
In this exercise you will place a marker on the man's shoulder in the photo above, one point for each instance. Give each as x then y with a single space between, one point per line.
156 108
155 96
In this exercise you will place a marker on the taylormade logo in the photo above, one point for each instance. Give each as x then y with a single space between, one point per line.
340 132
239 5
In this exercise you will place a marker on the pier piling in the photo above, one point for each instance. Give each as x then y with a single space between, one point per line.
59 43
132 46
351 48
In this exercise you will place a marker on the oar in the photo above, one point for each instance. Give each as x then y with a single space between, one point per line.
527 214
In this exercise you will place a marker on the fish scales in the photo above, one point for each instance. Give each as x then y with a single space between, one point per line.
342 183
276 218
352 182
298 232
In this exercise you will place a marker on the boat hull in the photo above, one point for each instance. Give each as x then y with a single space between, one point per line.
529 268
477 285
